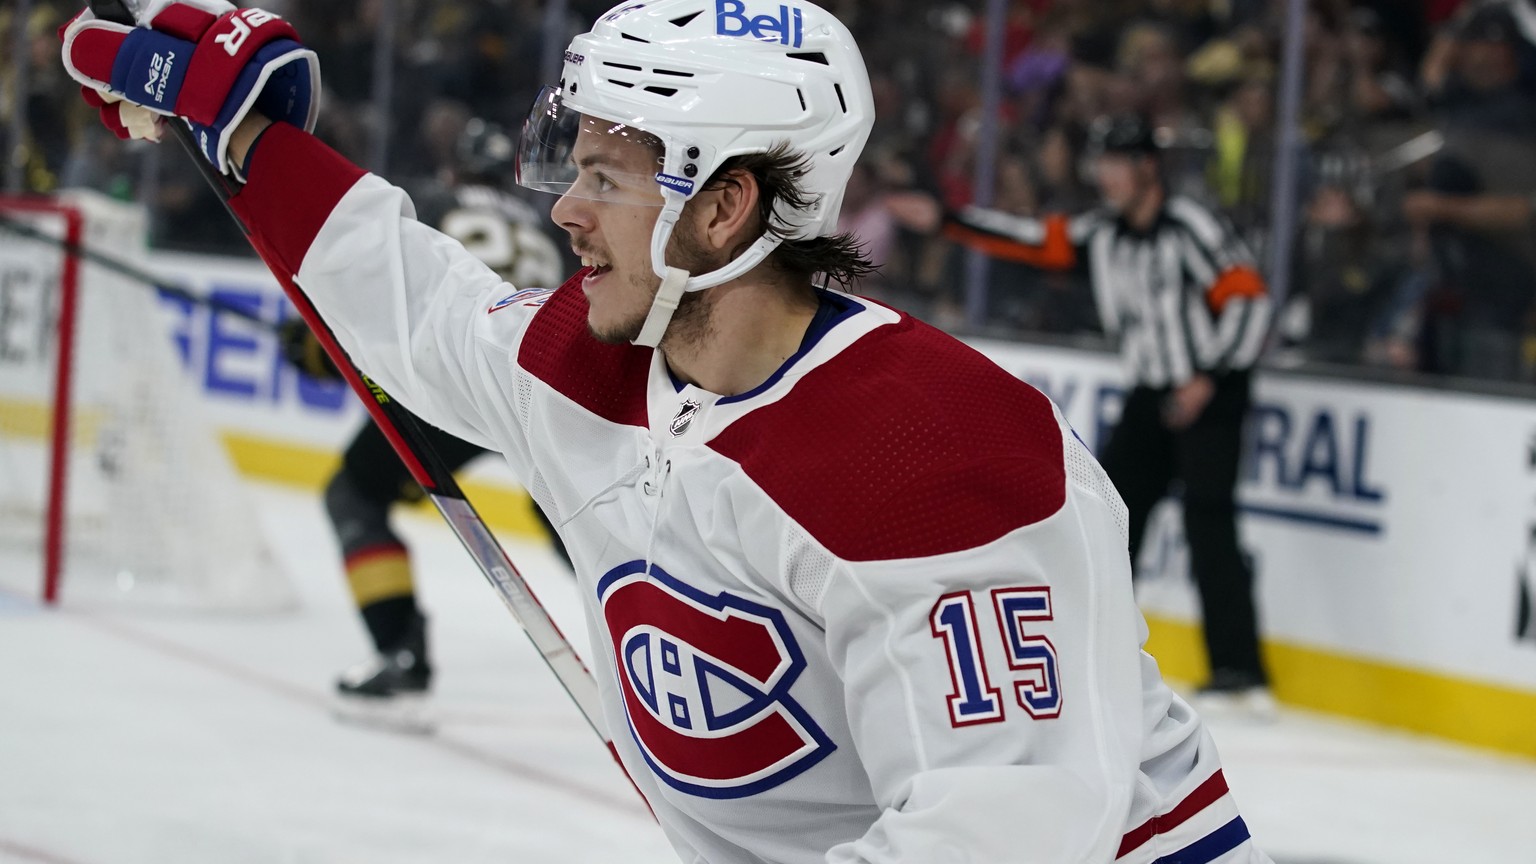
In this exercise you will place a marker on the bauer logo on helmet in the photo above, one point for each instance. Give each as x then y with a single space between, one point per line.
677 184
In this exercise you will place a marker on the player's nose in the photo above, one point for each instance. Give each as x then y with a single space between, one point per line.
572 213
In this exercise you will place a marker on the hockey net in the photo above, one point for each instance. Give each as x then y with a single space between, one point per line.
113 485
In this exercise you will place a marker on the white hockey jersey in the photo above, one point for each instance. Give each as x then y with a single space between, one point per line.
877 609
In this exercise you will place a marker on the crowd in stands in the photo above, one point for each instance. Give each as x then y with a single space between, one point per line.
1415 239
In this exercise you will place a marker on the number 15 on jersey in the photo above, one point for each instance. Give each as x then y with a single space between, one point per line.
1031 657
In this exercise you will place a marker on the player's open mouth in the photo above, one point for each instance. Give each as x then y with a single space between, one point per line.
598 267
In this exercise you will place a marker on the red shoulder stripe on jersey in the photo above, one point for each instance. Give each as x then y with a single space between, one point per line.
294 184
907 444
1205 795
608 380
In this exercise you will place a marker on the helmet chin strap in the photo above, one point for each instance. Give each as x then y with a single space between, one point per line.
676 282
665 303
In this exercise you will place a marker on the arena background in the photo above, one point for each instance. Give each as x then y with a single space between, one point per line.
1390 495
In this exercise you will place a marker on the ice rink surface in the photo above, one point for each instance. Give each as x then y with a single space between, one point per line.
131 737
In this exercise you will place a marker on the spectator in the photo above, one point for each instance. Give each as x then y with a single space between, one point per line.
1483 245
1474 214
1378 86
1344 274
1240 170
866 217
49 117
1472 76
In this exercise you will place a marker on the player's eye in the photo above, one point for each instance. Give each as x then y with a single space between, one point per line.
604 184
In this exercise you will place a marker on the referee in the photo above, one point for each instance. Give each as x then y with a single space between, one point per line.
1180 292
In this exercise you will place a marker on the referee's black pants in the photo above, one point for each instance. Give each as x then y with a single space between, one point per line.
1143 457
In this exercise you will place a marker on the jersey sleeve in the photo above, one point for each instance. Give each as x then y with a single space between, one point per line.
417 313
994 693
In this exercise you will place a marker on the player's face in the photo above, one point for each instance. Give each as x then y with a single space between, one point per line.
610 212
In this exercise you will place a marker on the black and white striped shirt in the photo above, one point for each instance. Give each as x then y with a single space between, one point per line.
1183 296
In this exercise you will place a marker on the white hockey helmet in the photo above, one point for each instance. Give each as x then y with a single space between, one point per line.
710 79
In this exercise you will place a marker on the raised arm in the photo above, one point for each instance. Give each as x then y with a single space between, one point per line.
410 305
1049 243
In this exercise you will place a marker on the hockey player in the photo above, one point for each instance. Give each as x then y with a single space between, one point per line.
471 206
1179 290
856 593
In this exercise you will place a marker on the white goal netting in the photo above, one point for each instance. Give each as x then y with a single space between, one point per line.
153 511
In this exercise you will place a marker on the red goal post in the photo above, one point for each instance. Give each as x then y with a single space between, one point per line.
58 462
113 484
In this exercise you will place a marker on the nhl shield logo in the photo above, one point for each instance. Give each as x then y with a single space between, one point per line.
684 417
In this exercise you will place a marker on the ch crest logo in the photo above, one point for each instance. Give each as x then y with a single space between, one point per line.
706 682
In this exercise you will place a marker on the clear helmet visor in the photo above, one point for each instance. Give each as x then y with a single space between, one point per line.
569 153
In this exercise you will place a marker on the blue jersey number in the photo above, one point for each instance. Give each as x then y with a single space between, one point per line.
974 699
1031 658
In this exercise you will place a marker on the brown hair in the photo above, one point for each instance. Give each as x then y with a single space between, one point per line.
779 173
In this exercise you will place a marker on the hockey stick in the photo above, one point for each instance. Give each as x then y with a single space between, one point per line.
405 435
123 268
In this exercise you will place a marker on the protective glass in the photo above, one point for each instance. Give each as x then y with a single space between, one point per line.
569 153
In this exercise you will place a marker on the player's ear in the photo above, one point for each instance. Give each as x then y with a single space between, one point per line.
732 214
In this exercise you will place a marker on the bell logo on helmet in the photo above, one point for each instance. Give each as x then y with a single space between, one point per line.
786 29
677 184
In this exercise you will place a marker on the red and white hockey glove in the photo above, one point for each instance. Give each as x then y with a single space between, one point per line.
125 119
202 60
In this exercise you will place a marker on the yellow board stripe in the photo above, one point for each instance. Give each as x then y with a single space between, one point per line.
33 419
502 508
1480 713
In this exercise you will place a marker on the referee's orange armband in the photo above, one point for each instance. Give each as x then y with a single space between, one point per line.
1235 282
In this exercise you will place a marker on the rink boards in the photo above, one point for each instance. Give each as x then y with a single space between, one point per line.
1392 527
